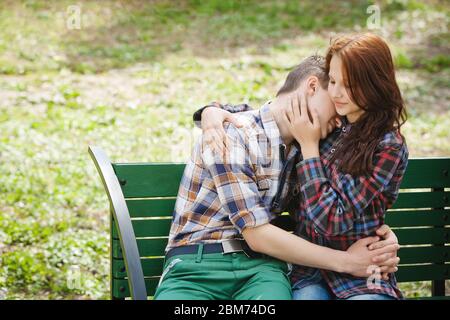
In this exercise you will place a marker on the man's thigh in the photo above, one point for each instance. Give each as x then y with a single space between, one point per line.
179 289
266 282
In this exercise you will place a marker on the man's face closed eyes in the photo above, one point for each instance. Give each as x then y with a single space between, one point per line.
322 102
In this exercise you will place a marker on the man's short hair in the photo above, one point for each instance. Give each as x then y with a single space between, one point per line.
311 66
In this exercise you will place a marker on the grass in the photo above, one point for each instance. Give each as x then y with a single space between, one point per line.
129 80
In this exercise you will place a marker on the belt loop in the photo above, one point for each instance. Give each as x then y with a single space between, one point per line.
199 253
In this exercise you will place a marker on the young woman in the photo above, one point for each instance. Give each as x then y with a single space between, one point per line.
347 189
348 186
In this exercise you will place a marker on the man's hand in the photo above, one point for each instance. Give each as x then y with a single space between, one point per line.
214 135
389 237
362 260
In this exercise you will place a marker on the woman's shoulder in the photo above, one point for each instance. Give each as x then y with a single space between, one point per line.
394 140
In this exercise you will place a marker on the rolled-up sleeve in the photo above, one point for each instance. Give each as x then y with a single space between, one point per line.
197 116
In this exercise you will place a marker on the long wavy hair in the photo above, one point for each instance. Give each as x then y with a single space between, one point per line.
369 69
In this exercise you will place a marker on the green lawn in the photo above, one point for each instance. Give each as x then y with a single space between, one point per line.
129 81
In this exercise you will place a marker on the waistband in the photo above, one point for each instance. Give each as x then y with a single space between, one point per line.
224 247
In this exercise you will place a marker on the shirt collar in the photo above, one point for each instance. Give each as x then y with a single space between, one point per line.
273 133
346 125
269 125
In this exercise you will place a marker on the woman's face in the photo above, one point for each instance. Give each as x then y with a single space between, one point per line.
340 92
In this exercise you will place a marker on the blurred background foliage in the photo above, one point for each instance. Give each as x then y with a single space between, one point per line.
129 79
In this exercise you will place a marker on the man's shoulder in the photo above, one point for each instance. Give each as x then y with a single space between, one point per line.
251 116
251 124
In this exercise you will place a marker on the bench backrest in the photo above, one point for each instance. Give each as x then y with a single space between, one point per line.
420 218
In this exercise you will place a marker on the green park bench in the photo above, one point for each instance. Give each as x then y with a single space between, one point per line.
142 197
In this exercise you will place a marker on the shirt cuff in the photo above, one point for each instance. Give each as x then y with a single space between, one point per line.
310 170
249 219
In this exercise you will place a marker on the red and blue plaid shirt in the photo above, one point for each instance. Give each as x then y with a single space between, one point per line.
337 209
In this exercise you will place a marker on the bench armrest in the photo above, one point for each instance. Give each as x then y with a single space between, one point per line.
122 217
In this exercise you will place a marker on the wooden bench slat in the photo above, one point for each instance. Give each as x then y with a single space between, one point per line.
427 173
432 254
151 267
437 199
146 208
414 236
146 247
148 228
121 290
418 218
423 272
141 180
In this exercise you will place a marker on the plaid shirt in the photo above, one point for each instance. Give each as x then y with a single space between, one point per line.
338 209
218 198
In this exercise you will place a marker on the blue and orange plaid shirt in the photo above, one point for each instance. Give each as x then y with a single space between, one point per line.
219 197
335 209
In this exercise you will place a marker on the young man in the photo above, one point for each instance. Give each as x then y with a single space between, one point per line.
222 244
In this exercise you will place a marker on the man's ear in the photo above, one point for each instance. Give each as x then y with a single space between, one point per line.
312 85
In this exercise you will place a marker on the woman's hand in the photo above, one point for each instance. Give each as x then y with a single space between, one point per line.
305 130
363 261
214 135
389 237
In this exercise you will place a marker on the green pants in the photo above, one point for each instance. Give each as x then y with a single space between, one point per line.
224 277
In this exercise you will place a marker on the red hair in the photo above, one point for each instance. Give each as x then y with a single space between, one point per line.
368 68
